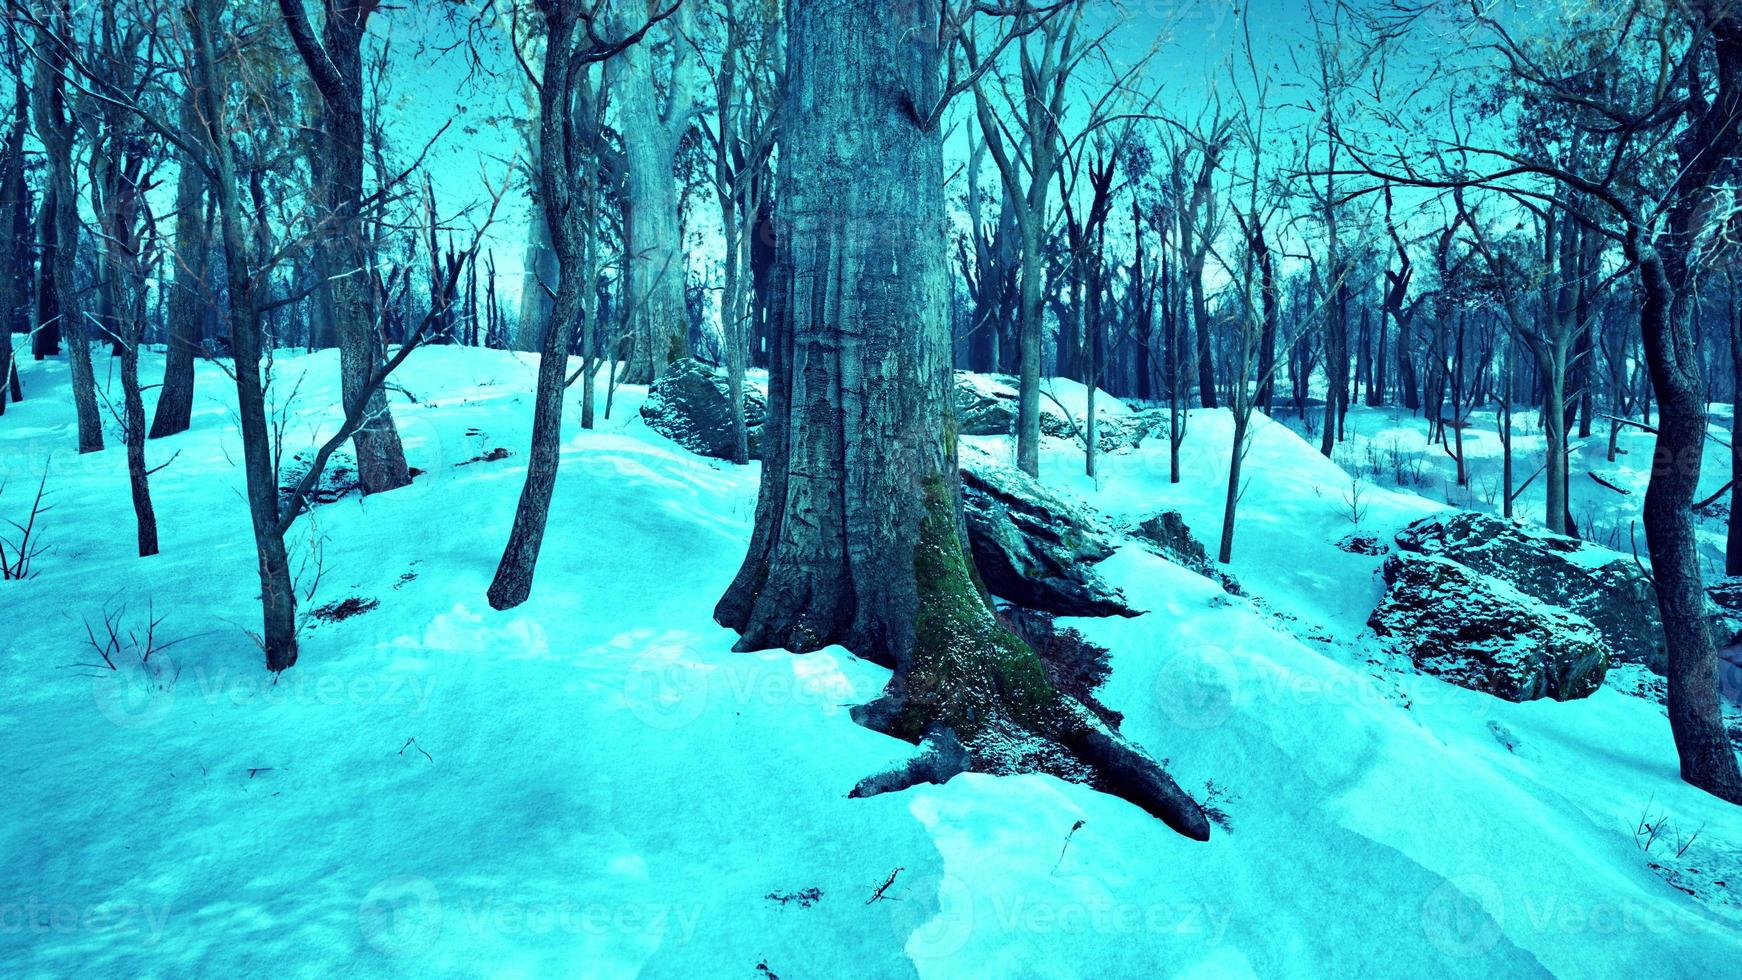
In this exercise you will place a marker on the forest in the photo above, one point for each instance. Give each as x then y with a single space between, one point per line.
821 488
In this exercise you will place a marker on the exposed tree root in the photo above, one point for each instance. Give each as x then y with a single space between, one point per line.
976 698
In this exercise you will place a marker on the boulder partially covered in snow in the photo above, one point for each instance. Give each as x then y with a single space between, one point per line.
985 404
1724 610
1167 534
1032 547
1604 587
690 406
1479 632
1117 432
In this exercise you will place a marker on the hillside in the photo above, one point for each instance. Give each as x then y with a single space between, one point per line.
595 785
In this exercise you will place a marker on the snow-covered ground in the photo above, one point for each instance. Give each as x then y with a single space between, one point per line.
594 785
1388 446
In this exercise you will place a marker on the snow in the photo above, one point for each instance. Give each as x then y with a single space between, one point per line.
594 784
1379 436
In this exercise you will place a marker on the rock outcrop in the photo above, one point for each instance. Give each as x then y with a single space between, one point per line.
1031 546
690 406
1167 534
986 405
1480 633
1606 588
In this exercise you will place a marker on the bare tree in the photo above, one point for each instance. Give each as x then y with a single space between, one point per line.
1664 83
56 130
572 43
335 61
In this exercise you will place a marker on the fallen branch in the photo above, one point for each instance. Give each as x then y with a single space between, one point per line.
1618 420
1623 491
1709 501
885 886
1073 832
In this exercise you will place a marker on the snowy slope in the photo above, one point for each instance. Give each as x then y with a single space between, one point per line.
594 785
1382 441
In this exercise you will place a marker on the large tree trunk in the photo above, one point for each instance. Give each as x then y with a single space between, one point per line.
858 536
45 328
1205 352
541 275
1733 536
189 295
653 229
336 63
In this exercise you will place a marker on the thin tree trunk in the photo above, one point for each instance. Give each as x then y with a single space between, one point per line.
559 165
55 130
1028 351
247 339
1696 718
189 295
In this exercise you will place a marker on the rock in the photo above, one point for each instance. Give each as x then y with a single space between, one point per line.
1604 587
1724 609
1118 432
1478 632
1033 548
985 404
689 405
1363 543
1166 534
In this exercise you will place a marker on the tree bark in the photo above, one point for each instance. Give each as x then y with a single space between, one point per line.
54 129
561 166
1695 714
247 340
653 228
335 61
189 295
858 536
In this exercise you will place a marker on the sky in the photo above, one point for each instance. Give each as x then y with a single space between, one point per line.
1194 42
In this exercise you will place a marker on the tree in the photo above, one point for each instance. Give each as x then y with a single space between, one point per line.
56 129
335 62
858 537
1028 160
572 43
1657 190
122 163
190 295
249 256
742 139
653 236
15 236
